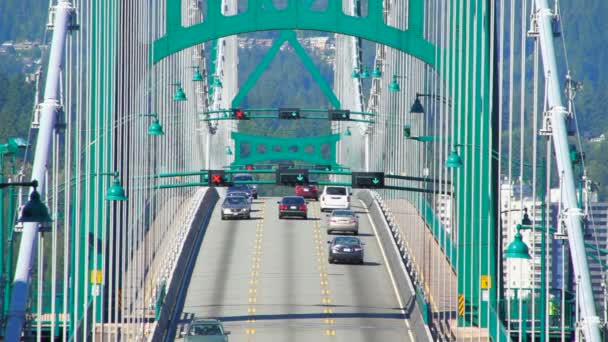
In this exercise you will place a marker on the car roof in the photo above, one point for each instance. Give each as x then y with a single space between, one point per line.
242 175
342 239
206 320
343 212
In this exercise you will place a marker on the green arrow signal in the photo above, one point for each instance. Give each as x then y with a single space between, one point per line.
375 181
300 178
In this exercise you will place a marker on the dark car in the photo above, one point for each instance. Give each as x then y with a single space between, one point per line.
241 188
206 330
236 207
345 249
247 177
307 191
293 206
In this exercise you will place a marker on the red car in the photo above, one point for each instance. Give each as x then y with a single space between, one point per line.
307 191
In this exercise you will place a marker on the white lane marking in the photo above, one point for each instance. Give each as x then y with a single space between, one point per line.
390 272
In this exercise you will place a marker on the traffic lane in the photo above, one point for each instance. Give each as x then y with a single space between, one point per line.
219 281
366 306
288 297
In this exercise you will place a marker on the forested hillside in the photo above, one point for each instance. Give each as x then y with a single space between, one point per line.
22 19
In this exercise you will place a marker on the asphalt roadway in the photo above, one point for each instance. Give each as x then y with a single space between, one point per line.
269 280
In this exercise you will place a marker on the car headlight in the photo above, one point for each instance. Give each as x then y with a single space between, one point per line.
226 210
244 210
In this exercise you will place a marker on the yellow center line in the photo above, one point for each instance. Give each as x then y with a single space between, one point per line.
256 262
319 245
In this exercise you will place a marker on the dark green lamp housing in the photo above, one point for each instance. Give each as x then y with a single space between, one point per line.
417 107
180 95
34 210
454 161
228 151
217 82
354 74
407 131
116 192
365 73
155 128
377 73
347 133
197 77
517 249
526 221
394 85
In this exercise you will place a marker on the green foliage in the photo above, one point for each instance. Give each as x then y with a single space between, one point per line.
22 19
16 103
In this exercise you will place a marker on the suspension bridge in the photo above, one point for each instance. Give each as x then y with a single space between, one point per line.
136 131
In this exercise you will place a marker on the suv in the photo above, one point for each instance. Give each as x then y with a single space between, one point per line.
334 197
247 177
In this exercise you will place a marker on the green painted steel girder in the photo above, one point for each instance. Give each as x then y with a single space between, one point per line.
285 148
297 15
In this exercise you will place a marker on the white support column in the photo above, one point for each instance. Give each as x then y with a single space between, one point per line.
589 319
50 106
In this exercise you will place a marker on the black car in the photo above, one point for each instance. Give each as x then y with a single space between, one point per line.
247 177
241 188
293 206
345 249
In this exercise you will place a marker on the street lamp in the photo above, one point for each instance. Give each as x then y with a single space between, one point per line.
197 76
347 133
216 82
155 127
394 85
33 210
228 151
376 73
417 107
115 192
179 95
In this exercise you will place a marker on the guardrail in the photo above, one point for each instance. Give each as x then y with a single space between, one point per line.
176 286
414 300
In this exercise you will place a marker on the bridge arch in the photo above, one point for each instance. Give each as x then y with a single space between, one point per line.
297 15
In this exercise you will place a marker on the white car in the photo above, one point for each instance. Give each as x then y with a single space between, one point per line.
334 197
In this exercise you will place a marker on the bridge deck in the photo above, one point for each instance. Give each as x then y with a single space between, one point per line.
269 279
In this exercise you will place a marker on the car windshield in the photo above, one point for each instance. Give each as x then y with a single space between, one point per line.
336 191
235 200
243 177
293 200
342 213
242 187
205 330
238 194
348 241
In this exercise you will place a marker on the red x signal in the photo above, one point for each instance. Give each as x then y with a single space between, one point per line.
216 179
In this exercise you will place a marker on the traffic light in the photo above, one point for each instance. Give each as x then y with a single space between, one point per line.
292 177
239 114
339 115
289 113
249 167
368 180
218 178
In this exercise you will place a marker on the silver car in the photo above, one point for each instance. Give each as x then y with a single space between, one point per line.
236 207
206 330
343 221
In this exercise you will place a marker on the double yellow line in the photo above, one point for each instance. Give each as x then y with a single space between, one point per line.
256 263
326 301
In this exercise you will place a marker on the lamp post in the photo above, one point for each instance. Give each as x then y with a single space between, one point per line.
517 249
10 149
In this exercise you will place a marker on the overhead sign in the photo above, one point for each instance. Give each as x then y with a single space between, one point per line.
368 180
339 115
292 176
218 178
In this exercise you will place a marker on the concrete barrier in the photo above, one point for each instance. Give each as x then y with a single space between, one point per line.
397 258
169 315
